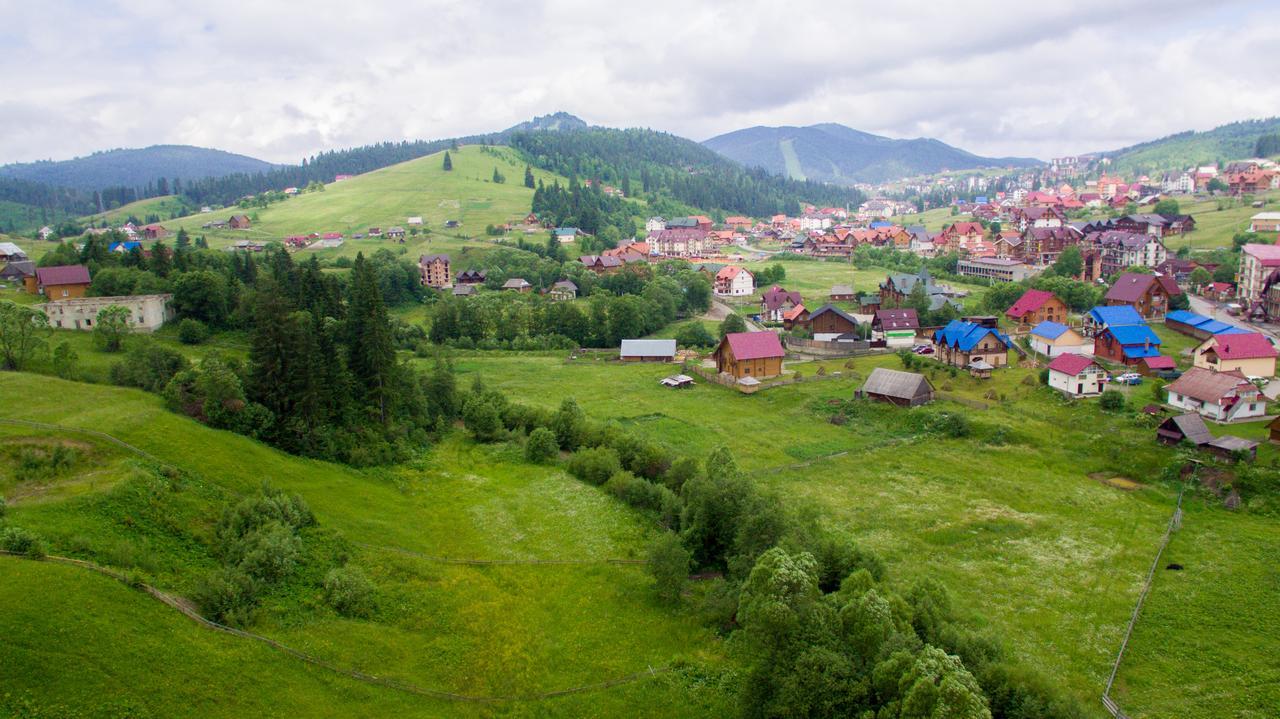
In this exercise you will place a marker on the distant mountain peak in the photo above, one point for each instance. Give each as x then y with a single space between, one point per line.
556 121
134 167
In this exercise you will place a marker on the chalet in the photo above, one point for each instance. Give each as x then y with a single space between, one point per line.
433 271
567 234
905 389
563 290
679 242
797 315
776 302
896 288
841 293
18 271
10 252
1219 291
738 222
897 328
1053 339
1273 431
959 232
517 284
1181 428
395 233
1126 344
601 264
1219 396
961 343
1025 218
1249 353
1121 250
1076 375
1148 294
154 231
829 323
750 354
62 282
239 222
702 222
1198 326
654 224
734 281
868 304
1036 306
647 350
471 277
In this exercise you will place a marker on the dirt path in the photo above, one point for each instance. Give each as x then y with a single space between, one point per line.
719 310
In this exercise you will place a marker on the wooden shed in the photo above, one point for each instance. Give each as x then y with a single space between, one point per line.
905 389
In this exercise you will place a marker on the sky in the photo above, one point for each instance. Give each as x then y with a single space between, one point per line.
281 81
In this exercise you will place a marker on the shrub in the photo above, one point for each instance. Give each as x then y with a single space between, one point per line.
541 446
594 465
694 334
349 592
268 553
482 418
669 566
227 596
1044 376
21 541
951 424
3 507
1111 401
192 331
65 361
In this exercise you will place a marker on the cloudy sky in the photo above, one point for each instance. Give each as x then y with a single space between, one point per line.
283 80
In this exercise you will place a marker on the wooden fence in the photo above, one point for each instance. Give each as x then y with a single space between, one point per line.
832 349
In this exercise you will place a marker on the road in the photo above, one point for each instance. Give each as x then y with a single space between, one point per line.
1201 306
719 310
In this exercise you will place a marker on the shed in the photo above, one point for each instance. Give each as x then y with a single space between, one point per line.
1230 447
905 389
1189 427
647 350
677 381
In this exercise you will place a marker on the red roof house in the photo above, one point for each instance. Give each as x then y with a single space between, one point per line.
1036 306
750 354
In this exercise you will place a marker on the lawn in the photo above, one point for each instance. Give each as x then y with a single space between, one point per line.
482 630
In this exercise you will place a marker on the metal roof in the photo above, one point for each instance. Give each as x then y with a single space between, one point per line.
895 383
648 348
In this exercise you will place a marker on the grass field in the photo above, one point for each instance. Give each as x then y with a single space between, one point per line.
165 206
503 630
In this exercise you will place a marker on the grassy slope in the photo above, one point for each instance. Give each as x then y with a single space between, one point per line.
163 206
486 630
1046 555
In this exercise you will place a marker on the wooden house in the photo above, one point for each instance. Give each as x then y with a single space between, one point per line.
829 323
239 222
1191 429
63 282
905 389
961 343
1036 306
750 354
797 315
1126 344
471 277
1148 294
842 293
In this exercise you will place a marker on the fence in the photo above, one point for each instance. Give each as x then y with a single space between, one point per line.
832 349
1175 523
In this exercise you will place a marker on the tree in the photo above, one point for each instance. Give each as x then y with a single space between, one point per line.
1267 145
1199 277
1180 301
732 323
111 327
1225 272
448 162
669 566
482 418
1111 401
1070 262
1167 206
528 177
694 334
22 333
65 361
192 331
541 446
569 425
1217 185
498 177
201 295
371 354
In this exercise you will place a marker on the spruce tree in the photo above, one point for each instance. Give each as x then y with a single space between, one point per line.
448 163
528 177
372 356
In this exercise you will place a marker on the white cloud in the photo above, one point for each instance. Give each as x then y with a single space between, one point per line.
280 81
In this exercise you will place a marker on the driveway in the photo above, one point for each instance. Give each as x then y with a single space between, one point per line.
719 310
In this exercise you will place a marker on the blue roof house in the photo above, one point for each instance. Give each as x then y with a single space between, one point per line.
962 343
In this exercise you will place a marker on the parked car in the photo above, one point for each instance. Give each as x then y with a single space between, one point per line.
923 349
1130 378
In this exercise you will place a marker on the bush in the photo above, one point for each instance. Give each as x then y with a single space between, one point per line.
1111 401
349 592
192 331
950 424
268 553
482 418
21 541
594 465
3 507
694 334
669 566
227 596
541 446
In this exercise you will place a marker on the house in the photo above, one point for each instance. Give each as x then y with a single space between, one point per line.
1001 269
124 247
776 302
394 233
18 271
1149 294
963 342
1249 353
841 293
1053 339
433 271
413 221
563 291
738 222
10 252
905 389
654 224
749 354
247 246
1273 431
518 284
1198 326
896 327
1265 222
647 350
567 234
1219 396
601 264
896 288
331 236
147 313
868 304
1181 428
734 281
832 324
464 290
679 242
1076 375
471 277
154 231
797 315
1119 250
239 222
1099 318
63 282
1036 306
1126 344
1257 262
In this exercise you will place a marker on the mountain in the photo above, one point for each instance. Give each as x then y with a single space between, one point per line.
554 122
830 152
135 168
1233 141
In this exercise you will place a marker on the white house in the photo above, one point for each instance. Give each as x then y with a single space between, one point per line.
413 221
733 281
654 224
1052 339
1219 396
1076 375
147 313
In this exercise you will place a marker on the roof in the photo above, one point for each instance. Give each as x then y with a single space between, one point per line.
794 312
63 275
900 319
1072 364
754 345
1159 362
842 289
648 348
432 258
1186 317
10 249
1117 315
566 284
1049 330
19 268
775 297
1030 301
464 290
1207 385
1132 286
729 272
895 383
1191 426
832 308
1133 334
1232 443
966 335
1268 255
1251 345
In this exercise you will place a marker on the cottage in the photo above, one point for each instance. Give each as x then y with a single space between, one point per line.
775 302
868 304
1052 339
10 252
647 350
797 315
147 313
962 342
842 293
62 282
239 222
563 291
601 264
471 277
750 355
434 271
18 272
832 324
517 284
734 281
464 290
896 288
1036 306
567 234
1249 353
905 389
1219 396
154 231
1126 344
1076 375
896 328
1149 294
1189 427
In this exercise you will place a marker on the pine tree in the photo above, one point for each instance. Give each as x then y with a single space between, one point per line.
448 163
528 177
369 342
183 240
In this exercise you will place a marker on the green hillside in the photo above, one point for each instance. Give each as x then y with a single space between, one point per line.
505 630
1234 141
163 207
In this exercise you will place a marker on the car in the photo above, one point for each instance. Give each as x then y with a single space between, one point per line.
922 349
1129 378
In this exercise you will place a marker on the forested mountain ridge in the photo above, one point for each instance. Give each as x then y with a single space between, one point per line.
1233 141
830 152
135 167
